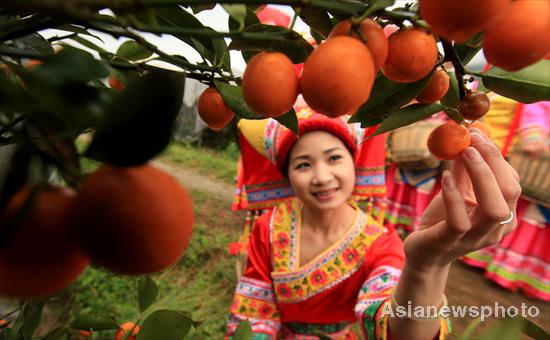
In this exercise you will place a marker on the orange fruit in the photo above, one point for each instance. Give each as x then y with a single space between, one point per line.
38 259
376 40
437 87
520 37
132 220
212 109
459 20
124 330
84 335
270 84
338 76
412 54
474 105
4 323
116 84
447 141
481 126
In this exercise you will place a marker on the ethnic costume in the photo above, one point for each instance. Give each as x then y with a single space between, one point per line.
521 261
349 282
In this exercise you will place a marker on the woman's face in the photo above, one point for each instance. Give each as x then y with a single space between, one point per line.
321 171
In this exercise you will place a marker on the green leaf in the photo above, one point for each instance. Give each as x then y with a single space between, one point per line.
452 97
71 65
32 316
233 97
315 18
237 12
290 43
289 120
507 328
176 16
199 8
468 50
78 30
249 20
166 325
138 123
59 333
529 85
131 50
386 97
407 115
454 114
147 292
87 43
221 52
469 331
243 331
87 322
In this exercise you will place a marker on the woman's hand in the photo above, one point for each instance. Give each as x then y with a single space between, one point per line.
479 193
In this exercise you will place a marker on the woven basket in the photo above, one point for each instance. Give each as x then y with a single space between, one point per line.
409 147
534 175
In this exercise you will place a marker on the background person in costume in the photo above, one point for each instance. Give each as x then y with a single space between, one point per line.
317 263
521 261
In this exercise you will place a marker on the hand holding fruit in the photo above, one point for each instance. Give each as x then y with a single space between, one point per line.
475 208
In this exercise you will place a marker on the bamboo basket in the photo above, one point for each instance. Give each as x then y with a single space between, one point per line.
534 175
408 146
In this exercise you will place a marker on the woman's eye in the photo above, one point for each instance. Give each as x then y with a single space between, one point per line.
301 166
334 158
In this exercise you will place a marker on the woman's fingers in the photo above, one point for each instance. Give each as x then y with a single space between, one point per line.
463 182
456 215
506 177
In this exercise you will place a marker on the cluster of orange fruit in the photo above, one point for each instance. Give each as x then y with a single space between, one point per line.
516 34
129 220
329 86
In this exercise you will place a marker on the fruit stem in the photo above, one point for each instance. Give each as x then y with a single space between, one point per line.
451 56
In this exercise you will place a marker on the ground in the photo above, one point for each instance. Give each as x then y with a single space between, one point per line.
466 285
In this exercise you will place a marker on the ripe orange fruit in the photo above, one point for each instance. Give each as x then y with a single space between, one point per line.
412 54
474 105
212 109
520 37
4 323
437 87
376 40
481 126
447 141
116 84
459 20
124 329
132 220
38 259
270 84
338 76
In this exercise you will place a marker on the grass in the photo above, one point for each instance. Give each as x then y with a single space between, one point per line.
201 283
219 165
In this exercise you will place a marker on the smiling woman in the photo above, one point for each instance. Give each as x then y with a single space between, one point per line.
317 263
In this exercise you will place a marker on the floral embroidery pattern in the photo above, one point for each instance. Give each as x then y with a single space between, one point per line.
318 277
254 299
376 288
281 240
332 267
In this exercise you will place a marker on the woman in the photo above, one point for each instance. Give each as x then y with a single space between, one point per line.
318 264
